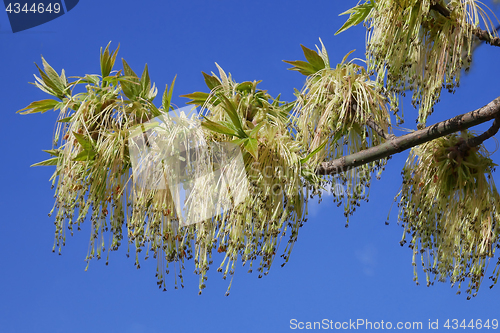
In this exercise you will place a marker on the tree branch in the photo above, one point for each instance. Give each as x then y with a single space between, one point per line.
485 36
399 144
476 141
440 9
460 150
479 33
379 130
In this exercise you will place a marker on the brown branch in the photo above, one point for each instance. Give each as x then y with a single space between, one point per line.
399 144
461 149
441 9
476 141
479 33
486 37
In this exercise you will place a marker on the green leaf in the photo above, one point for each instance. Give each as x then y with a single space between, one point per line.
88 79
314 152
39 106
46 84
197 98
145 82
216 127
43 87
357 15
108 60
83 141
50 161
252 146
313 58
127 71
228 124
131 88
233 115
117 78
256 129
303 67
54 78
276 101
53 152
211 80
85 155
65 120
245 86
154 110
167 95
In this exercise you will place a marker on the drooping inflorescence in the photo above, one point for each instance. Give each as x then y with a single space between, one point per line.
340 111
413 45
449 209
177 185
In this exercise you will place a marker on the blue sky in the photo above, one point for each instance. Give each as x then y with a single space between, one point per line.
334 273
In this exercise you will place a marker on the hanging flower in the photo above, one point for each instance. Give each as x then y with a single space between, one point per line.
449 206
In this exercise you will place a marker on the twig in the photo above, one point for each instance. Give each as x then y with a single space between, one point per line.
477 140
399 144
486 37
379 130
441 9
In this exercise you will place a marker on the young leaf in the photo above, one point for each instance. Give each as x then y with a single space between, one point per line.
53 152
245 86
256 129
46 84
303 67
93 79
50 161
131 88
39 106
228 124
85 155
141 128
252 146
233 114
313 58
211 80
65 120
197 98
167 95
83 141
153 108
108 60
54 78
357 15
145 82
276 102
216 127
314 152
